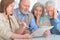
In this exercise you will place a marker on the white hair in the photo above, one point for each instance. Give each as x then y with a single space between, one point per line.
50 3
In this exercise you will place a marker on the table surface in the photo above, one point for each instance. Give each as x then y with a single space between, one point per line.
51 37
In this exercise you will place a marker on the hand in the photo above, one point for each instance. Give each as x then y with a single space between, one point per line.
25 31
55 13
46 33
27 36
23 25
38 20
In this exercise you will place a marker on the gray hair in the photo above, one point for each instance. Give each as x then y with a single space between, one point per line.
50 3
36 5
21 1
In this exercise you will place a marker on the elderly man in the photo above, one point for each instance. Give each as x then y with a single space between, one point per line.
23 15
54 16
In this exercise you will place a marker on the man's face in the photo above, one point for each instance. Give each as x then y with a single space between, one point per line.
50 11
24 6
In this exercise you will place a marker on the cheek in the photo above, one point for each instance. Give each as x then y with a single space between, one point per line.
35 13
40 13
25 9
9 9
50 13
22 8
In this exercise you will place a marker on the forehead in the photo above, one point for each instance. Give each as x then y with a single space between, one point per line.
50 7
11 5
38 7
26 2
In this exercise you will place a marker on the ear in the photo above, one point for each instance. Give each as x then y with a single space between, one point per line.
5 10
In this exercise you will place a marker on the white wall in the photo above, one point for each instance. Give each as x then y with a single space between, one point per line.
42 1
57 3
16 3
32 2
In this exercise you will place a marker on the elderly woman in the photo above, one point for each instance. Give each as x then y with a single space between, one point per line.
41 19
8 23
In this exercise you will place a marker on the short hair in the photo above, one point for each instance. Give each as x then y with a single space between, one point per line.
36 5
21 1
50 3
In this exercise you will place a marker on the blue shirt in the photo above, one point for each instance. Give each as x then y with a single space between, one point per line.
32 24
56 24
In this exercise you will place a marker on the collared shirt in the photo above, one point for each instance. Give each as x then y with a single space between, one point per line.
56 24
32 25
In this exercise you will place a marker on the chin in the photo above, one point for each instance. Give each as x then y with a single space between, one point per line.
11 13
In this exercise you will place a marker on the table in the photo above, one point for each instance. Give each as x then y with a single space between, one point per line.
51 37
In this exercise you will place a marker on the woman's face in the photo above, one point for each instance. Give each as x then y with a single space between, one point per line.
38 11
10 8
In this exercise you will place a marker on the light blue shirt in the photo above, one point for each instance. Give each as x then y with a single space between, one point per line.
56 24
44 19
32 23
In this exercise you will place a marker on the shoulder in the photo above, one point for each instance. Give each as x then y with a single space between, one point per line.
31 15
1 16
2 19
17 11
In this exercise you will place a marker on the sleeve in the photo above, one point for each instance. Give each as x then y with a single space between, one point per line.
57 21
33 25
4 30
56 24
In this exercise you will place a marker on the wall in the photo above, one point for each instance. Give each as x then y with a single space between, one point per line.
42 1
57 3
32 2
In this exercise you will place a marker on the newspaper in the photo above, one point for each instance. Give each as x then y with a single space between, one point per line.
40 31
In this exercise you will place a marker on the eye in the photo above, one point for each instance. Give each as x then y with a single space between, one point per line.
40 10
12 5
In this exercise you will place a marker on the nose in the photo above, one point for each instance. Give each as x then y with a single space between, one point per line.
27 7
